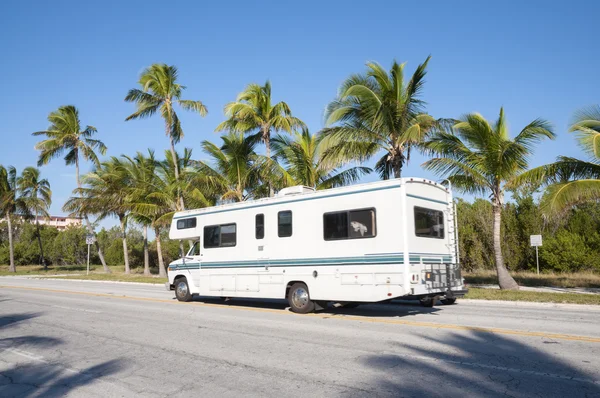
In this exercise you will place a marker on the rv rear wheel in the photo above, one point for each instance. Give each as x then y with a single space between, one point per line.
299 299
182 290
449 300
427 301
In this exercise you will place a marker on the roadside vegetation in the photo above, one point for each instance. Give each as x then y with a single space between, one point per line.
532 279
378 116
539 297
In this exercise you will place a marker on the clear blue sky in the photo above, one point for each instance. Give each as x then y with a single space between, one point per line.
535 58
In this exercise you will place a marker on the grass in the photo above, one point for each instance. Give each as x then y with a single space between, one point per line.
539 297
531 279
116 277
79 272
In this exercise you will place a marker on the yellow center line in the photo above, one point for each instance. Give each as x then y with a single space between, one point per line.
570 337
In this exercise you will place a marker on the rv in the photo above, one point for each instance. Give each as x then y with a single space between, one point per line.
373 242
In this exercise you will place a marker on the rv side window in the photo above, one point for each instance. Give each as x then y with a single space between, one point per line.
186 223
220 236
260 226
429 223
350 224
284 224
212 236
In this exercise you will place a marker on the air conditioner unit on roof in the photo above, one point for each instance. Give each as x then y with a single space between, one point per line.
297 190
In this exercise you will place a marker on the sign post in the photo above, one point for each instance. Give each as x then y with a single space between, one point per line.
536 241
89 240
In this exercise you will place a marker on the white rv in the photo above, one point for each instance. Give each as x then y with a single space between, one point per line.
356 244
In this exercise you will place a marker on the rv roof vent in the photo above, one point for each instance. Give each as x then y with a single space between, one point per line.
297 190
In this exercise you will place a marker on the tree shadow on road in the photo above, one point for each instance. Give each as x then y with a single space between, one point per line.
9 320
27 374
484 364
47 380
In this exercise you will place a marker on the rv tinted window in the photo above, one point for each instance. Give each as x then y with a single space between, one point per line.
186 223
260 226
284 224
350 224
212 236
429 223
228 235
335 225
362 223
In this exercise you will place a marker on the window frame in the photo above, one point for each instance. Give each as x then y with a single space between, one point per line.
291 224
373 209
262 215
220 236
429 236
184 223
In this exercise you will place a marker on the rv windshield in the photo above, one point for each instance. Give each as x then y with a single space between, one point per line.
195 250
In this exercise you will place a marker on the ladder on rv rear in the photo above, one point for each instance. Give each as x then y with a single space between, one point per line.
452 225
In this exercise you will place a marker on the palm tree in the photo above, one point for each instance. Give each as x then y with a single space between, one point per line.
572 181
235 171
10 203
143 181
37 197
253 111
159 91
104 194
481 158
302 156
377 112
65 135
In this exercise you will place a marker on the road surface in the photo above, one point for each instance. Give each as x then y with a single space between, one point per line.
88 339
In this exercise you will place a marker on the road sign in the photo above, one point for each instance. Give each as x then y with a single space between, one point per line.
90 239
535 240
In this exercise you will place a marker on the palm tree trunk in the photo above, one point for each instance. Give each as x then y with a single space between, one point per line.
123 222
505 281
181 204
39 239
146 255
89 224
267 139
11 248
161 264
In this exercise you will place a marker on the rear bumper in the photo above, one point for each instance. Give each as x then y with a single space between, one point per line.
442 294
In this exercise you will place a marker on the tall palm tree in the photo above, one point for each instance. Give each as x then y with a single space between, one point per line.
481 158
301 155
254 112
10 203
233 171
377 112
572 181
65 135
37 197
159 92
104 194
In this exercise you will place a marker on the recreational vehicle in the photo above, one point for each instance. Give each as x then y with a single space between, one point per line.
350 245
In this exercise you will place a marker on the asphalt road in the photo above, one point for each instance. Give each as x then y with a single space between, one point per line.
86 339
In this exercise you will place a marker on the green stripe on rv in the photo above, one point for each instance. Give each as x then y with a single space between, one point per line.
316 261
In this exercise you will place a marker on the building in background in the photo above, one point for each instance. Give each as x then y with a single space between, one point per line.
59 222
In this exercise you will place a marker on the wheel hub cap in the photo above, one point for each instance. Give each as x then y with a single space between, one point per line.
181 289
300 298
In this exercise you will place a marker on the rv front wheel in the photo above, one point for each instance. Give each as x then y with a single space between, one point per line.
182 290
449 300
299 299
